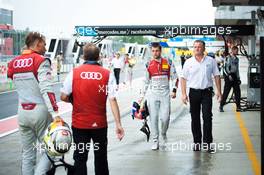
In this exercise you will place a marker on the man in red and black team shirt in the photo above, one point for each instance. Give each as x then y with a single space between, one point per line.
31 74
87 87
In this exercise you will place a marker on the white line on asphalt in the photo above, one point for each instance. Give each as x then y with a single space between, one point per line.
7 92
15 130
9 132
8 118
60 113
15 90
11 117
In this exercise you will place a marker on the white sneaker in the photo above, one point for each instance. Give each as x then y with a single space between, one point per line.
155 145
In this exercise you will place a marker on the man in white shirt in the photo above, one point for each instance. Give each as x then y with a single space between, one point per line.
197 75
117 64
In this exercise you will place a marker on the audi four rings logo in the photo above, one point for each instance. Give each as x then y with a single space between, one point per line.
91 75
23 63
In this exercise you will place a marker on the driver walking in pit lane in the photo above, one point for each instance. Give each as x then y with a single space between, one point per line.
158 75
31 74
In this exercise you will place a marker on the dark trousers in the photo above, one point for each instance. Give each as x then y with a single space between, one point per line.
236 89
201 99
82 139
182 61
117 74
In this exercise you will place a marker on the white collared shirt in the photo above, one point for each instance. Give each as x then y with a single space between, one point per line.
118 63
199 74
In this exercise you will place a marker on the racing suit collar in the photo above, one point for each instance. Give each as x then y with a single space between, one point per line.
91 62
157 60
28 51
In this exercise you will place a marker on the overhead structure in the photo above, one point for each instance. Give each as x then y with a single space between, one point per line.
217 3
164 31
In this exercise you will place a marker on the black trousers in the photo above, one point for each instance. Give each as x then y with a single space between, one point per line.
117 74
201 99
182 62
82 139
236 89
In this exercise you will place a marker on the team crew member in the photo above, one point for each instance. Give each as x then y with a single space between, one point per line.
31 74
197 75
158 75
85 87
232 79
59 59
118 64
131 64
182 59
125 68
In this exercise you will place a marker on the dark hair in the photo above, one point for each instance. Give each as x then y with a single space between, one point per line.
91 52
155 45
32 37
234 48
200 41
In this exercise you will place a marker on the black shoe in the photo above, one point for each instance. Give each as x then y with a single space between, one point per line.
211 150
197 147
221 109
208 148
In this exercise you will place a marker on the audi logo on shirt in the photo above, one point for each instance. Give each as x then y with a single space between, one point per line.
91 75
23 63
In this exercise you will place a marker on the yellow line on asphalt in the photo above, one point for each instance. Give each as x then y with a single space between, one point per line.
249 146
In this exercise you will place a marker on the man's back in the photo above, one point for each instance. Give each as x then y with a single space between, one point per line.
89 90
24 70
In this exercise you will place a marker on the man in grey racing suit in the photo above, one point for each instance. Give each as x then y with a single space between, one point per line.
158 75
31 74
